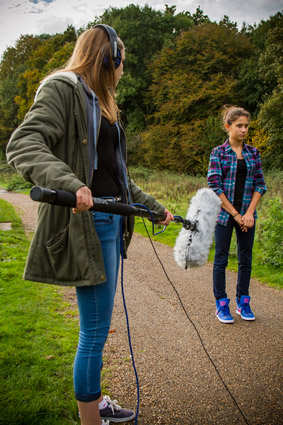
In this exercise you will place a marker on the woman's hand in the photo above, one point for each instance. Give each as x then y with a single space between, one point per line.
169 217
84 200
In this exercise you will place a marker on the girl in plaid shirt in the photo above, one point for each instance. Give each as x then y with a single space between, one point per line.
235 175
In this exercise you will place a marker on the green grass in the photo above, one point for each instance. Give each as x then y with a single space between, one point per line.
175 192
38 339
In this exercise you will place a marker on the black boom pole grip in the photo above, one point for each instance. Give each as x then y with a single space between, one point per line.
68 199
56 197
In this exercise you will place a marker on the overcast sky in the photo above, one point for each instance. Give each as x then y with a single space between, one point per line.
50 16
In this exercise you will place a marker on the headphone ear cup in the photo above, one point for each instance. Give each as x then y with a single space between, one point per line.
118 59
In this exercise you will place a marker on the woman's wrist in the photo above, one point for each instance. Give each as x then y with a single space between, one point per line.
235 215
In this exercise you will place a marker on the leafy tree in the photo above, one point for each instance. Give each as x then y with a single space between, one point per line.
252 84
271 112
191 81
22 67
144 32
180 69
13 65
199 18
51 54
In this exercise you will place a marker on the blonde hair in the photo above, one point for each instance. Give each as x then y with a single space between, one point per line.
232 113
87 60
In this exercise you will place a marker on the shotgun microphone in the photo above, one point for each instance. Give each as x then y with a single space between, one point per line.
192 246
193 243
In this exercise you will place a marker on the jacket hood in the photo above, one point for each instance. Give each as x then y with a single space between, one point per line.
69 77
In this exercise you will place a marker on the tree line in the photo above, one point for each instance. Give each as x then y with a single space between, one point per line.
180 70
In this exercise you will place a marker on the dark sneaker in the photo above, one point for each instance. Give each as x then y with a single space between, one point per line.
244 309
114 413
222 311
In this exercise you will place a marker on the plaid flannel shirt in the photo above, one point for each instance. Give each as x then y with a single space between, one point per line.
221 176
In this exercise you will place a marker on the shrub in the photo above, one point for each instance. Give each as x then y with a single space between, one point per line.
270 233
16 182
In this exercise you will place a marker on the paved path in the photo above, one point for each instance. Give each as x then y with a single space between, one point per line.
178 383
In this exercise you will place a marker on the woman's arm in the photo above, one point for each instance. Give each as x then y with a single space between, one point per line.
149 201
31 148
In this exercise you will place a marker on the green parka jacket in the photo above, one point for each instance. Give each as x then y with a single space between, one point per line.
50 149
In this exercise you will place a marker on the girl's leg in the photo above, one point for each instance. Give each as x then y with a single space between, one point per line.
223 236
245 241
95 306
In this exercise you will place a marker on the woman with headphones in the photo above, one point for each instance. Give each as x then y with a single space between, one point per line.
71 139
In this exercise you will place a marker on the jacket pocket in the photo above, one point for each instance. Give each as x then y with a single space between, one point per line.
58 242
66 256
66 263
58 254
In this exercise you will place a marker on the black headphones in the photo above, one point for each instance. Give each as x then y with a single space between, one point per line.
116 52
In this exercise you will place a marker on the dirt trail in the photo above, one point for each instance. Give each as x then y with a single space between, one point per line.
178 383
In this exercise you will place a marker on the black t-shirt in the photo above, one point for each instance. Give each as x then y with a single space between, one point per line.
240 183
105 181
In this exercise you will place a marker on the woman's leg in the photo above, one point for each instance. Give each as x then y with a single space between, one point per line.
223 236
245 241
89 413
95 306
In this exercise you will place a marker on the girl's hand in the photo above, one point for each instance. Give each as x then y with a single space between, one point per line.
239 219
169 217
248 220
84 200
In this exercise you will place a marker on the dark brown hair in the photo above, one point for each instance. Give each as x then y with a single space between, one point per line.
232 113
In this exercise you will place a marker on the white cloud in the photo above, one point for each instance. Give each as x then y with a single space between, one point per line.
53 24
50 16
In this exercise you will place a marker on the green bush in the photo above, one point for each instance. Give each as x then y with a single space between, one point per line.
270 233
10 180
16 182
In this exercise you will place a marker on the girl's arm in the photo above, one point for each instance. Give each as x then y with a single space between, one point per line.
215 182
232 210
259 190
248 217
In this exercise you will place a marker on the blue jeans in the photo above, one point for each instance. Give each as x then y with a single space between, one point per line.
245 240
95 307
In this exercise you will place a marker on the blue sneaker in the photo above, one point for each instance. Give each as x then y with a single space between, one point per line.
222 311
244 309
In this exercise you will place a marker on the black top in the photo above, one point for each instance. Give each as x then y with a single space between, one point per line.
240 183
105 181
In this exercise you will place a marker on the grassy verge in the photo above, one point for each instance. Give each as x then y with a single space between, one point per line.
175 192
38 339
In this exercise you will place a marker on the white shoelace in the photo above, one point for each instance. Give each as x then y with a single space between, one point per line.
105 423
112 404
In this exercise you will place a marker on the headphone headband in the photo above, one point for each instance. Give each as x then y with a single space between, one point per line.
113 40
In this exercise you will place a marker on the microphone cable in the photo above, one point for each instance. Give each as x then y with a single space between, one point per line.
194 326
128 324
